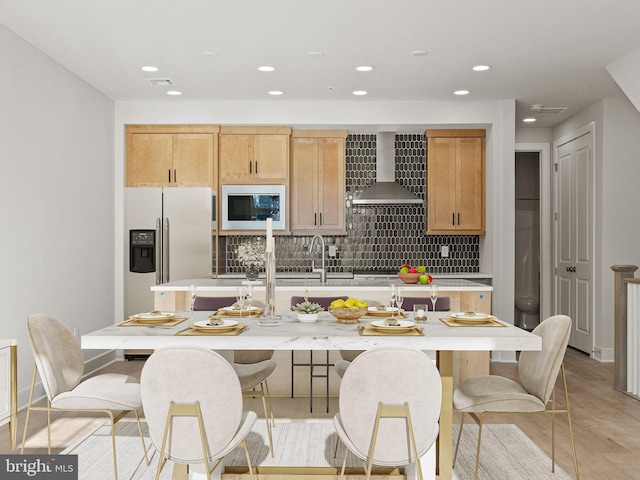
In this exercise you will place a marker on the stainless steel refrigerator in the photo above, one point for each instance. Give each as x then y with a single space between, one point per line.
177 223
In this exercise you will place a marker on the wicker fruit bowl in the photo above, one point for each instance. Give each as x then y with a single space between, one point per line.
347 315
409 277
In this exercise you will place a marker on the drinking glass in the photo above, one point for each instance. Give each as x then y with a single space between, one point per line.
249 296
420 312
399 299
434 295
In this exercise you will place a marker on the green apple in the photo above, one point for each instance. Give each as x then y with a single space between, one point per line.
425 279
404 270
422 269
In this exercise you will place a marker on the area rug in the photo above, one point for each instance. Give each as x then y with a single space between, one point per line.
507 453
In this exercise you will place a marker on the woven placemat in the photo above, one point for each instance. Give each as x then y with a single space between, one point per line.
381 317
134 322
236 314
368 330
452 322
194 332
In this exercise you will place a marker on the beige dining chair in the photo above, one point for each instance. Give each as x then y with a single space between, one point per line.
324 302
60 364
190 420
252 366
390 399
538 371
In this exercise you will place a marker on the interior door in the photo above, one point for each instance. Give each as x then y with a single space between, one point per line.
574 237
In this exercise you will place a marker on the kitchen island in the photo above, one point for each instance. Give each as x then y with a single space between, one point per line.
464 295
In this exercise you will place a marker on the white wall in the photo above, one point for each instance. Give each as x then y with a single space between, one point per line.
498 117
617 170
56 198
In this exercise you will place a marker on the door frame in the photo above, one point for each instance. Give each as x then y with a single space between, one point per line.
547 277
589 128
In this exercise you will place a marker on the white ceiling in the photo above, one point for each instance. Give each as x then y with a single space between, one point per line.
545 52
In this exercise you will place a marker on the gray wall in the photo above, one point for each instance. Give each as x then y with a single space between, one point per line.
56 198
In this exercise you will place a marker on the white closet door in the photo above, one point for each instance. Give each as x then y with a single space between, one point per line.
574 236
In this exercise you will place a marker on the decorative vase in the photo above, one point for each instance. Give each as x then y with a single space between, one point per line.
252 272
307 317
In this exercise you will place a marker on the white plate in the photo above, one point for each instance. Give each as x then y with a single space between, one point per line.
386 312
154 315
204 324
471 317
403 326
231 309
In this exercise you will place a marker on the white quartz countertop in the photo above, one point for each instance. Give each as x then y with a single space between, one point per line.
347 284
325 334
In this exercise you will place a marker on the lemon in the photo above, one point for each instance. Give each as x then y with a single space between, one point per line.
338 303
350 302
361 304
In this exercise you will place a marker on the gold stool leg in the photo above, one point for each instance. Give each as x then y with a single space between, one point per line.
573 444
455 455
26 422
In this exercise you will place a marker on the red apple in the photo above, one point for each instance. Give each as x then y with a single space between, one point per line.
413 270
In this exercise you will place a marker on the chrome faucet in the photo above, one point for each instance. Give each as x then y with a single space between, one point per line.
323 272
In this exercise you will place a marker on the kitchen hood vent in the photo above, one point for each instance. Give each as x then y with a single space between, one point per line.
385 191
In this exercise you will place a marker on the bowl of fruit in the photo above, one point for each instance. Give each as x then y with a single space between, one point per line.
409 274
349 310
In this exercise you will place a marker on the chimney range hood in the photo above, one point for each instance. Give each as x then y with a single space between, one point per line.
385 191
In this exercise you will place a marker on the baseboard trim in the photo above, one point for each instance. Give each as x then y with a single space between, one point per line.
603 355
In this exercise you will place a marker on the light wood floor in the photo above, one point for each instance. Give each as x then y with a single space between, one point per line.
606 422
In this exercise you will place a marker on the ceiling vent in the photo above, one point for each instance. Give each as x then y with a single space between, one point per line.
547 110
160 82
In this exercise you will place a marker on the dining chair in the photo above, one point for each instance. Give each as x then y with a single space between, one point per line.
60 364
538 371
443 304
252 366
390 399
324 302
191 420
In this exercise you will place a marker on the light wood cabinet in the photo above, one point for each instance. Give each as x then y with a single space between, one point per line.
318 182
171 155
456 182
254 154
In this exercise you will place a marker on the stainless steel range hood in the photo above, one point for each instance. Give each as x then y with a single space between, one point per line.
385 191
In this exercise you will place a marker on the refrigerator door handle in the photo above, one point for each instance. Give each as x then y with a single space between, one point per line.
166 261
158 251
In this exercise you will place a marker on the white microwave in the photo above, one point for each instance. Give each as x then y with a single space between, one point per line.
247 207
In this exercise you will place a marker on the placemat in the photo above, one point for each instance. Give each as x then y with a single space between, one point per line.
193 332
367 330
134 322
491 322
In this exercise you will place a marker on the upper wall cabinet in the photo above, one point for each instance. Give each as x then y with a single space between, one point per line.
254 154
456 182
318 181
171 155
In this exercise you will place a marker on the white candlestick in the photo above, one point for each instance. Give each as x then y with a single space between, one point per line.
269 245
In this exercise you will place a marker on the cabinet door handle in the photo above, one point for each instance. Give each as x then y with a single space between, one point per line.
458 218
250 166
320 218
169 176
256 167
175 177
453 219
315 219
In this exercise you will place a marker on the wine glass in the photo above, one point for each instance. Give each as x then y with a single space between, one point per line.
434 295
240 297
192 299
399 298
249 296
393 292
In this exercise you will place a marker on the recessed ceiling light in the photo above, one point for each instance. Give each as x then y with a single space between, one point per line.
266 68
529 120
360 92
481 68
213 54
364 68
174 92
315 54
419 53
461 92
275 92
149 68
